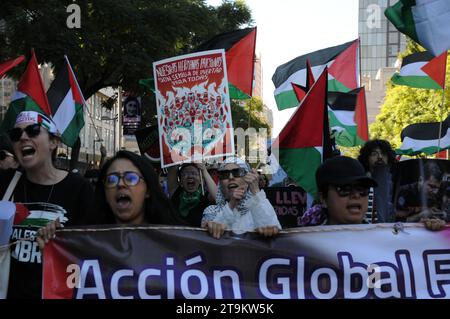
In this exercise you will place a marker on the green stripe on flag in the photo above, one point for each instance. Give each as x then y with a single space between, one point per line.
335 85
301 165
401 16
421 82
237 94
286 100
344 135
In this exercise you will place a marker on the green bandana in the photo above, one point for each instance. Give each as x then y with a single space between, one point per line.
188 201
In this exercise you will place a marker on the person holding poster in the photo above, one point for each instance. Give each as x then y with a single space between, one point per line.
186 191
240 205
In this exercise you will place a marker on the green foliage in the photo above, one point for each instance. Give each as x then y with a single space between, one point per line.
240 114
118 40
404 106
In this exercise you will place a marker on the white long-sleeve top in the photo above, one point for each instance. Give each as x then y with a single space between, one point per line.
258 213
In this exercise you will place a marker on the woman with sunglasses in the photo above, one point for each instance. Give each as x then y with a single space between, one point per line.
128 192
57 193
240 205
7 158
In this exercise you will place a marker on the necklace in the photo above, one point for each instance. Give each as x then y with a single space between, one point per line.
25 191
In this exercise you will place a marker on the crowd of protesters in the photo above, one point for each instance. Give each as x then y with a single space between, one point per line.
232 197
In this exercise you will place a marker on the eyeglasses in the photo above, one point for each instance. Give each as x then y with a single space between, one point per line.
189 174
236 172
4 154
32 130
129 179
346 190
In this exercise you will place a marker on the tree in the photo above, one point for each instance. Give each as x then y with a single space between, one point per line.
404 106
117 41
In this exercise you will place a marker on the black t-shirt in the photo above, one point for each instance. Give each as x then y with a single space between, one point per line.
195 215
70 200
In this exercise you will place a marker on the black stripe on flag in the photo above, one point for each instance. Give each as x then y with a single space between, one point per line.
417 57
224 41
58 89
340 101
425 131
319 57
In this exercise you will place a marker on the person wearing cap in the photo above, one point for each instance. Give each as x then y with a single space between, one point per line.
240 205
7 158
187 194
343 187
57 192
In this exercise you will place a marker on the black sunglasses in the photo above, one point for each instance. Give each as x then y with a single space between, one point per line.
236 172
32 130
129 179
4 154
346 190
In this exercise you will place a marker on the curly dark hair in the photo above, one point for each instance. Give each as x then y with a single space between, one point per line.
370 145
158 209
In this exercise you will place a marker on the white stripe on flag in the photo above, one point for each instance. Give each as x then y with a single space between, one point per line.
18 95
344 117
431 18
413 69
65 113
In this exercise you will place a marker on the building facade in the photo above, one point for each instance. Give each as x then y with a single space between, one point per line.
380 41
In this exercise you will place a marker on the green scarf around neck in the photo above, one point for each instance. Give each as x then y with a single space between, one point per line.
188 201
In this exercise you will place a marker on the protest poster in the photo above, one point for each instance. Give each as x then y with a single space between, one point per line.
148 142
289 204
193 106
322 262
421 189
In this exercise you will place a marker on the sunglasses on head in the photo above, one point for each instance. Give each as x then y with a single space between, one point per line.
4 154
32 130
236 172
129 179
347 190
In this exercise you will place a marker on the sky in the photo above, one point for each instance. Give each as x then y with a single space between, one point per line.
287 29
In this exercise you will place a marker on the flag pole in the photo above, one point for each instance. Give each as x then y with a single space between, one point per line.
442 106
84 101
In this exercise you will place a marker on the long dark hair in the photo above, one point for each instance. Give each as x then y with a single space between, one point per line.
157 207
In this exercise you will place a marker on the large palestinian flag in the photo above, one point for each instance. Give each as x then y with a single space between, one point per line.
30 96
348 117
424 21
66 101
300 145
424 138
422 70
239 48
343 72
8 65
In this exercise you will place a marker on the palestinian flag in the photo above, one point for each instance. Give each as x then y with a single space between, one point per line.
302 142
30 96
348 117
424 138
239 49
66 101
424 21
8 65
343 72
422 70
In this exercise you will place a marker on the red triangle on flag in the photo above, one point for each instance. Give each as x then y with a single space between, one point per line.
305 128
8 65
31 84
240 63
360 116
300 91
344 67
437 68
76 94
